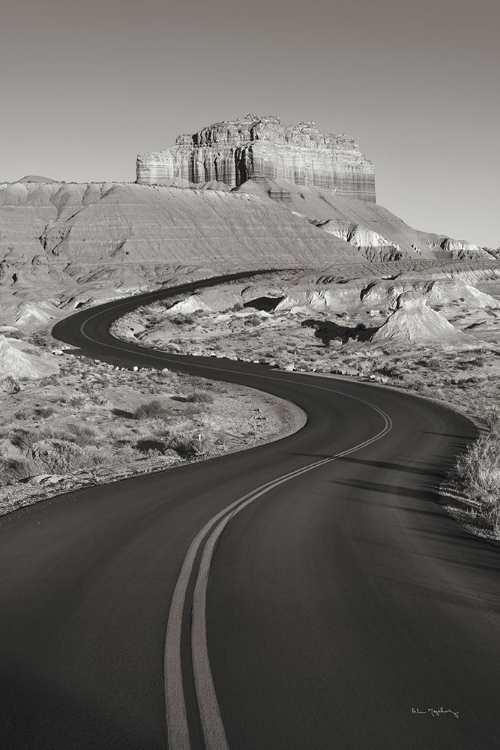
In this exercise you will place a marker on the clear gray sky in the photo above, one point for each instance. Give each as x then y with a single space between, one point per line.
87 84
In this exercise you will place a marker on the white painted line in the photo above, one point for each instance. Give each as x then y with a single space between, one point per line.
177 725
176 715
213 727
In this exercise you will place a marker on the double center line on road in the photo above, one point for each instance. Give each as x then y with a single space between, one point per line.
207 538
208 707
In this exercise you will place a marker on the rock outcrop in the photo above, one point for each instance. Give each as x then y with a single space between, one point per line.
66 244
436 293
362 295
415 323
20 360
462 249
380 234
261 148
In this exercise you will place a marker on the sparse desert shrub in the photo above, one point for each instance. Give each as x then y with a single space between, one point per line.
22 414
24 439
77 401
186 446
87 386
48 380
190 410
95 456
183 320
491 418
151 445
155 409
389 371
44 412
477 472
58 456
10 385
42 339
79 434
14 470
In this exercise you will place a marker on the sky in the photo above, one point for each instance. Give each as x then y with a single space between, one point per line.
86 85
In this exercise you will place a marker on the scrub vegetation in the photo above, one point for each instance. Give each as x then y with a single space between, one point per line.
92 423
464 375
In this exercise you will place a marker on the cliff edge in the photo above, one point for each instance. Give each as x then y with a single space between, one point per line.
261 148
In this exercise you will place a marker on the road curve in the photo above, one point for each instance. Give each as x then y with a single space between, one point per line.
305 595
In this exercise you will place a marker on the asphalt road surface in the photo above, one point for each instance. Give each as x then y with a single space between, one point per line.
309 594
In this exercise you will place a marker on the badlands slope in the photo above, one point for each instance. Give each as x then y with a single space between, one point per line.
66 244
117 223
365 224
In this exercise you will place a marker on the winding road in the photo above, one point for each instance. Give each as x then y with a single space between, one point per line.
308 594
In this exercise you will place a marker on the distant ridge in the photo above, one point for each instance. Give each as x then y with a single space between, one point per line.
36 178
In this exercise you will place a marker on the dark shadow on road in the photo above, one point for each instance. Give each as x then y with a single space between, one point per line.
462 438
424 493
410 469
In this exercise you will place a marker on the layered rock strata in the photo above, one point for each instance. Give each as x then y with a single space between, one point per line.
414 322
261 148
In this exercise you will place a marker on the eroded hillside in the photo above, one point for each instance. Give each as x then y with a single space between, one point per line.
64 245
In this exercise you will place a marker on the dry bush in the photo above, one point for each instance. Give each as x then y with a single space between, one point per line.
44 412
155 409
81 434
14 470
58 456
47 381
23 414
24 439
182 319
185 445
10 385
491 418
477 473
151 445
77 401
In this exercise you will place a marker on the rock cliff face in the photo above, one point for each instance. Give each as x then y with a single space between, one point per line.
261 148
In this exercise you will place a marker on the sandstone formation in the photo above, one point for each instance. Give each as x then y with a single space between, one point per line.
66 244
356 234
414 322
188 305
24 314
436 293
20 360
260 148
461 249
338 298
361 295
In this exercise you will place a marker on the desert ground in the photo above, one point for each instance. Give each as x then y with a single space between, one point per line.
440 340
82 422
344 289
